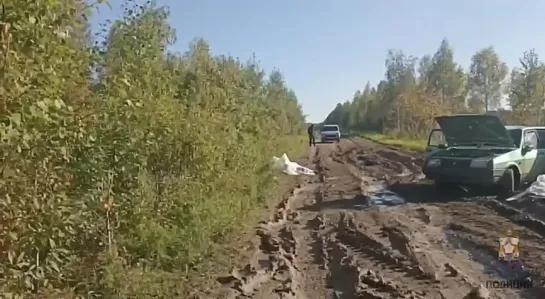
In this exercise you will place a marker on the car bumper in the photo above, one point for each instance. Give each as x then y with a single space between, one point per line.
466 176
330 138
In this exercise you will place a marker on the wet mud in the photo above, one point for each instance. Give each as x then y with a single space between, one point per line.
369 225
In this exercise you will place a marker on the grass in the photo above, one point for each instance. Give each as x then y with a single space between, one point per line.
412 145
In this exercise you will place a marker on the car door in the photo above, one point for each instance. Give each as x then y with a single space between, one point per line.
530 169
540 159
436 142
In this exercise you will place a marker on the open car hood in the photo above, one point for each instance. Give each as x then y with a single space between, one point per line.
474 129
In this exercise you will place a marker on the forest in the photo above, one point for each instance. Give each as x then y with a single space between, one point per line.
415 90
124 165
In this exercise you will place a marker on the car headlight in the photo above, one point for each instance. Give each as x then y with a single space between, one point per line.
478 163
434 162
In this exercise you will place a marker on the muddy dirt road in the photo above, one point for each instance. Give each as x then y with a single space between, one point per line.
369 226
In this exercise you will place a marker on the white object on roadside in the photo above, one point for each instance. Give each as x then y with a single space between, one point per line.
517 196
288 167
537 189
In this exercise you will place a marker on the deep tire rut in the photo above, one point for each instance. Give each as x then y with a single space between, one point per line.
324 240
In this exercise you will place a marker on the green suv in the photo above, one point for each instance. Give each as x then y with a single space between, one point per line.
479 150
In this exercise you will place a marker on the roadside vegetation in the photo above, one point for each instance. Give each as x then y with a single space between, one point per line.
406 144
415 90
122 166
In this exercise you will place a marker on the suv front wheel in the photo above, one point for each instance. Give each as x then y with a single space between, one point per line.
507 184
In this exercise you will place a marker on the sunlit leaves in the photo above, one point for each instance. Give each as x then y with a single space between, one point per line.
409 98
486 76
122 156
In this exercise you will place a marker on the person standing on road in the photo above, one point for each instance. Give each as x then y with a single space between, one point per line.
311 139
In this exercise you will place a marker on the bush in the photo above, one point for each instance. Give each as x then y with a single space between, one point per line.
121 164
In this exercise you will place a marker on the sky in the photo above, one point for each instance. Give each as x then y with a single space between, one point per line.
328 49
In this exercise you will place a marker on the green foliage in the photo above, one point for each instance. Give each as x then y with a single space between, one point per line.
486 75
527 90
409 145
123 166
405 103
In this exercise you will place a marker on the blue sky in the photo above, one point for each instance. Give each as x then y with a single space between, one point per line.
328 49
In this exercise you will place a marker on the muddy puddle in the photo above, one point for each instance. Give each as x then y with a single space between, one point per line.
495 269
385 198
489 259
378 194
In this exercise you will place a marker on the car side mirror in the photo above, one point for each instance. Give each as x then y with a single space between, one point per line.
527 146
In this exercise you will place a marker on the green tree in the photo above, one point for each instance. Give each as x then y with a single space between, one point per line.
407 100
124 166
401 79
424 72
486 76
446 77
336 115
527 89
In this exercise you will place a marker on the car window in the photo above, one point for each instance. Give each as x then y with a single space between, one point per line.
436 138
531 138
329 128
541 137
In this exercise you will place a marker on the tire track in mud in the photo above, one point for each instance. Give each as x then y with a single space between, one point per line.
469 281
365 251
273 271
353 260
325 241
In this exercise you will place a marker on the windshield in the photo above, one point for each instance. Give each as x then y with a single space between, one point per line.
330 128
516 135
